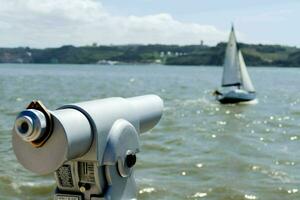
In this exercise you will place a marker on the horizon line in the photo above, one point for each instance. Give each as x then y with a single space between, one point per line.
149 44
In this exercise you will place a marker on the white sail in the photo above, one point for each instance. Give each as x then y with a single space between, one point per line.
246 81
231 72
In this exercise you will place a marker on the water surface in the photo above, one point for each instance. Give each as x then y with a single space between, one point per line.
200 149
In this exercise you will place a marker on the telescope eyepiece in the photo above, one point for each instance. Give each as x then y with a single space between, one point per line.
24 126
30 125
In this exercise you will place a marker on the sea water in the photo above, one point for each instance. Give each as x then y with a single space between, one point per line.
199 150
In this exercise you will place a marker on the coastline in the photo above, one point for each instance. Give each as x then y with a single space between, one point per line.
143 64
190 55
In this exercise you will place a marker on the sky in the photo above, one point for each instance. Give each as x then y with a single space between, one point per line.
53 23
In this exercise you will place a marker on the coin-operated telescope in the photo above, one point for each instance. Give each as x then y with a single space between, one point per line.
91 146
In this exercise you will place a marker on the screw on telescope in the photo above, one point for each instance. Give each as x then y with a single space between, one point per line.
84 187
130 160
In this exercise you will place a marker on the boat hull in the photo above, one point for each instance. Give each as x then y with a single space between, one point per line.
236 96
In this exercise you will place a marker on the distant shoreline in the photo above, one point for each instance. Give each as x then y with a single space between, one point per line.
144 64
189 55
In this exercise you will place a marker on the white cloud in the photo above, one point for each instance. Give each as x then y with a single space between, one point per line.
43 23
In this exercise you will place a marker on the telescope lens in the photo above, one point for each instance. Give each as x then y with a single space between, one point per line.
24 128
30 125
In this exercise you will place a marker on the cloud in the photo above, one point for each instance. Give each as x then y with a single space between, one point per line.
44 23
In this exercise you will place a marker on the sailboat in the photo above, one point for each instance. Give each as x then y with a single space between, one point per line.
236 82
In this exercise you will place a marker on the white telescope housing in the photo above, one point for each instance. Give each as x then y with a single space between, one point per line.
91 146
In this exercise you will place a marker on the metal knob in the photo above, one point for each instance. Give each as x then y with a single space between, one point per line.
30 125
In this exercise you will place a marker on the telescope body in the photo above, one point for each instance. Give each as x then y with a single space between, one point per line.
90 146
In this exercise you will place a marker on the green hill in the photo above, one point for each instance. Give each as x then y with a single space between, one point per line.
255 55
